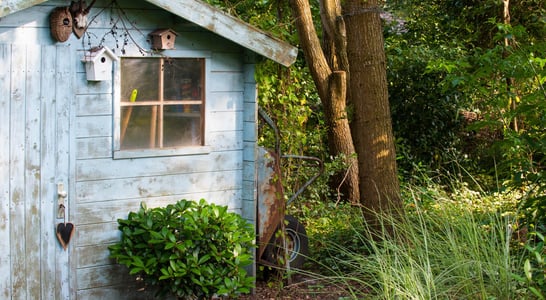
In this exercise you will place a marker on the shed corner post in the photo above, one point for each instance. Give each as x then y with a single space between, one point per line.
250 137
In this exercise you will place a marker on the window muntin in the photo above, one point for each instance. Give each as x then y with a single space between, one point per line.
168 110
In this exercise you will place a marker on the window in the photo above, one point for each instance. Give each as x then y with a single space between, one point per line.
161 103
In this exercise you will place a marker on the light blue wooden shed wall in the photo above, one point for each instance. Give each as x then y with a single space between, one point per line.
102 189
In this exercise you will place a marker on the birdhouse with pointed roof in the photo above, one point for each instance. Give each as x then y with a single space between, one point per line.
98 63
163 39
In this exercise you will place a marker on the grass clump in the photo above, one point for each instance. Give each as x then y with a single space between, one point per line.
447 246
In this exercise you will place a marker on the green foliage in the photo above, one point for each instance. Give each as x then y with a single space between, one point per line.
290 99
187 249
534 275
448 246
269 15
452 55
506 84
288 95
426 118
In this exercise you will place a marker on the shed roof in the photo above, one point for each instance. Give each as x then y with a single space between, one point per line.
209 17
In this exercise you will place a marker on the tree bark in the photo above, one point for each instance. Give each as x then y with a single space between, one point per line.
371 126
331 88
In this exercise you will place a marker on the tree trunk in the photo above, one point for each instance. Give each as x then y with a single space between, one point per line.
509 80
331 88
371 126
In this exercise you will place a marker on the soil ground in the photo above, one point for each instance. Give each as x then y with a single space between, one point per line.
299 288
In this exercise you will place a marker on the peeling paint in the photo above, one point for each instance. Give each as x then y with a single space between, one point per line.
270 200
143 192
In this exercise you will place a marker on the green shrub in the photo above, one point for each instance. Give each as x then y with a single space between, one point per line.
187 249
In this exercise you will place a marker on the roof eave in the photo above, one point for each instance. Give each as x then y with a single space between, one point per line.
12 6
229 27
210 18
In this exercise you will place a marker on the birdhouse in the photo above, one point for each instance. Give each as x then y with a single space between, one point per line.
98 63
163 39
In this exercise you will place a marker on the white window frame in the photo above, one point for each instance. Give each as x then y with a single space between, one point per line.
118 153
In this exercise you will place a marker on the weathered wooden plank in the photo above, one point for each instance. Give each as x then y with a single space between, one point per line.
32 174
13 6
84 87
37 16
93 126
101 126
17 172
98 169
250 135
93 256
250 111
225 121
64 92
248 211
93 105
225 101
97 147
5 220
102 276
111 211
128 290
227 62
250 131
47 179
146 18
225 82
249 190
231 28
154 186
12 18
26 35
96 234
225 140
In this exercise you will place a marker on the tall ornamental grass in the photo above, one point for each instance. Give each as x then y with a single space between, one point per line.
445 247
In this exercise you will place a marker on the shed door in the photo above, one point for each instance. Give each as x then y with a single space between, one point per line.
35 90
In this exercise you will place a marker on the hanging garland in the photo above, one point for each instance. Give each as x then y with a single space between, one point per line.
120 31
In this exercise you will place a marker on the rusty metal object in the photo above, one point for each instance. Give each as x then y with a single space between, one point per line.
271 205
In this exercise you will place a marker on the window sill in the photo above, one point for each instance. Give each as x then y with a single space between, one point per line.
195 150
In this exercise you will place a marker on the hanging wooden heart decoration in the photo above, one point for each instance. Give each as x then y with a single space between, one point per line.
64 233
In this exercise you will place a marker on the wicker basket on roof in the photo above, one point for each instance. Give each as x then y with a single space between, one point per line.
60 23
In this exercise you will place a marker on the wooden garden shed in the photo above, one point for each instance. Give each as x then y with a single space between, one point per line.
93 122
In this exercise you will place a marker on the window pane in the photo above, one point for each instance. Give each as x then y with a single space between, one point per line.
142 75
161 124
136 127
183 79
182 125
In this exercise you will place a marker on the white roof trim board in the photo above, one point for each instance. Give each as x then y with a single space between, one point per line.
7 7
208 17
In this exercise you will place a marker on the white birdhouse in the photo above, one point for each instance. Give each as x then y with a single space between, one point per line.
163 39
98 63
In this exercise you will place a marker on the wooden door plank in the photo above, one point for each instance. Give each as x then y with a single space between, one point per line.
66 284
17 173
47 179
5 220
32 171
